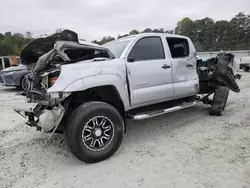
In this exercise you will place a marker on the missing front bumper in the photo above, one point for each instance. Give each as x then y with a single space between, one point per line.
44 119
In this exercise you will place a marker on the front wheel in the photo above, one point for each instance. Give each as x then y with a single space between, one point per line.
219 101
94 131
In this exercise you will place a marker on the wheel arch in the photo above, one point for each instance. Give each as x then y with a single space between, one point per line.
106 93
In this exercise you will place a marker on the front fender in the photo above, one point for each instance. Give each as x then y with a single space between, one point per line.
88 82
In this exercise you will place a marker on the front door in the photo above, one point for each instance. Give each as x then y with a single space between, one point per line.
149 72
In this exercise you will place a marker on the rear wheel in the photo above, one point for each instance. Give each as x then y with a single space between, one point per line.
219 101
94 131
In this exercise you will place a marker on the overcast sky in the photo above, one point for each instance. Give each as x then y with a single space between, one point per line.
93 19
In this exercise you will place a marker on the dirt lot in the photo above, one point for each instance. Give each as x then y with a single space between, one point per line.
182 149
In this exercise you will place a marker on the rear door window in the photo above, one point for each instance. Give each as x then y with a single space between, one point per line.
178 47
148 48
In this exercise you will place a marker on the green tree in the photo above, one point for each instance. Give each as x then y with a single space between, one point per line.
220 35
1 36
206 35
7 45
238 31
7 34
161 30
169 31
185 26
134 32
28 35
148 30
104 40
15 50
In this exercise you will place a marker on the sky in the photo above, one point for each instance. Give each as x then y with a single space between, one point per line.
93 19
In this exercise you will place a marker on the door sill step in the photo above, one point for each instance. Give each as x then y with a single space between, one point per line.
150 114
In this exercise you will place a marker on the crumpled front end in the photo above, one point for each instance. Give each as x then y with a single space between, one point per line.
39 116
44 110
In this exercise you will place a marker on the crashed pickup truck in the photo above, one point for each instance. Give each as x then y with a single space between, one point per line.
88 92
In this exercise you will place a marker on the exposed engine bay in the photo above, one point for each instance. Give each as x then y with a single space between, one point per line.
45 56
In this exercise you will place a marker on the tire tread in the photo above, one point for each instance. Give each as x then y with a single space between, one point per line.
74 119
219 101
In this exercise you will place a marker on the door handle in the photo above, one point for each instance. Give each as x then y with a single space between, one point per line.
189 65
165 66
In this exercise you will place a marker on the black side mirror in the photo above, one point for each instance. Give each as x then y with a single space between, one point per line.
131 59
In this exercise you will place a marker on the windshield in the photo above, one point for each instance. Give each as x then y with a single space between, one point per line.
117 46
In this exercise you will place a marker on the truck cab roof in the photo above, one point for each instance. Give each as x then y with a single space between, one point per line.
152 35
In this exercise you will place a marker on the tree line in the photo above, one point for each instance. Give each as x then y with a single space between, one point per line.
206 34
11 44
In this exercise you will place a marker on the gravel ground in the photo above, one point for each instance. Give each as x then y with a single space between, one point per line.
185 149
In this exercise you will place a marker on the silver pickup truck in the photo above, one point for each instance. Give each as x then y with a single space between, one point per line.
87 91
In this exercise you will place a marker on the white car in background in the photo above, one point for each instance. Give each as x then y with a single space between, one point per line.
245 63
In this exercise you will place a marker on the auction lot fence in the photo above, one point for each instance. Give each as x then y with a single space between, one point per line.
238 54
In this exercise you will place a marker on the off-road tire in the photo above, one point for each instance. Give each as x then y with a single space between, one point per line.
246 69
73 133
219 101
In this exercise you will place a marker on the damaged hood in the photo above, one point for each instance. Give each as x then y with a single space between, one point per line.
40 46
39 53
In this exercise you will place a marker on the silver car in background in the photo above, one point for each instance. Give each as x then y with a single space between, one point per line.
14 76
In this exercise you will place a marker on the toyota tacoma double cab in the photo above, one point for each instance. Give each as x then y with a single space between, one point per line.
88 92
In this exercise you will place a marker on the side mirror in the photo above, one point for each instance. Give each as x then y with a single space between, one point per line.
131 59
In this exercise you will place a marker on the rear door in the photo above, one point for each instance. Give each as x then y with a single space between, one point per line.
185 77
149 72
